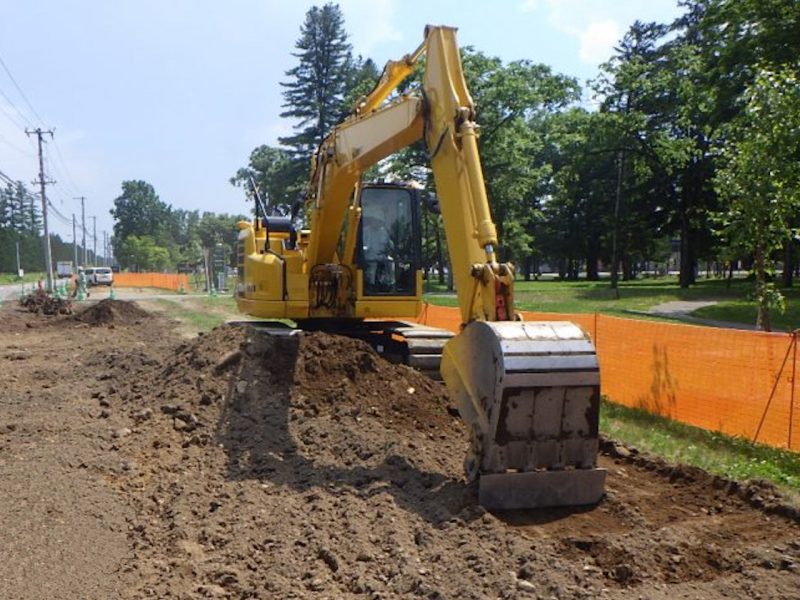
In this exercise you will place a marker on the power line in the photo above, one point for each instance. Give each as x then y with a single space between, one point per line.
14 182
19 89
10 117
5 178
57 213
15 147
69 177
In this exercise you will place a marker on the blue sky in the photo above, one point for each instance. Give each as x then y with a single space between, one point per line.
178 92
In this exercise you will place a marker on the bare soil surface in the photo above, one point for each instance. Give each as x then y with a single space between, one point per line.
138 464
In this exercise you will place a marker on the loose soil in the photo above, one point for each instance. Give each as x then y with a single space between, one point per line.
138 464
110 311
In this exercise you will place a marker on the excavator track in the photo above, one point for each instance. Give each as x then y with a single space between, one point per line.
400 342
423 346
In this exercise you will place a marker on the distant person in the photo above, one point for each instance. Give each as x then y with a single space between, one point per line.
80 284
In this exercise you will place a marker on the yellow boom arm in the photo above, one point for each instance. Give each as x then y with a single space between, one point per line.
445 117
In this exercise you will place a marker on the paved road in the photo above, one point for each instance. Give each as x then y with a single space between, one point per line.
681 310
8 292
11 292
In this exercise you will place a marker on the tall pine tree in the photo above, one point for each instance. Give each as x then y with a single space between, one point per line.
317 86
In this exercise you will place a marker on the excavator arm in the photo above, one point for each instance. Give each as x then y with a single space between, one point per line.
445 116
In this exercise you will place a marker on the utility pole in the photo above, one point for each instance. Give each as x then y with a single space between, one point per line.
83 224
48 259
19 266
94 239
74 244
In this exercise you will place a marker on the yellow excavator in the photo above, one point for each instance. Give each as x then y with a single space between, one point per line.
527 391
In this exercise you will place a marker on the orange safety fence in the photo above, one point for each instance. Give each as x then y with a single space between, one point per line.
737 382
167 281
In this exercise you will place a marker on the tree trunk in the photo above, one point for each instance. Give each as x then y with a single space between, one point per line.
449 277
592 273
627 269
763 320
788 263
439 258
686 277
615 231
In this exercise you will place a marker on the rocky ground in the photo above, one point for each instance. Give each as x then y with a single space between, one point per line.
138 464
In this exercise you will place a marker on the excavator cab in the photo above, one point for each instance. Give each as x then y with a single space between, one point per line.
388 250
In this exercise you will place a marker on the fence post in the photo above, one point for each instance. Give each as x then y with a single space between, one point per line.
791 401
792 345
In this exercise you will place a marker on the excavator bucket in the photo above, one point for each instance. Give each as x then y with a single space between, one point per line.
530 395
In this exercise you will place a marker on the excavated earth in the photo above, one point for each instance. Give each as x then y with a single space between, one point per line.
138 464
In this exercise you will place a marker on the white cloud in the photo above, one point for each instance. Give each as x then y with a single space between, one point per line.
371 23
596 25
598 41
529 5
17 151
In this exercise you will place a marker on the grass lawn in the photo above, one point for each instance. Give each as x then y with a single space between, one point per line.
597 296
201 313
733 303
718 453
744 311
9 278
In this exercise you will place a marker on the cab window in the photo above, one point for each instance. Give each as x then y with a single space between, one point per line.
389 248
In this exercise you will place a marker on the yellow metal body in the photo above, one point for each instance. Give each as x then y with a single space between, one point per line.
528 392
279 281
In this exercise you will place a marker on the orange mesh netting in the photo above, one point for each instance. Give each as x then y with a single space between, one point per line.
168 281
737 382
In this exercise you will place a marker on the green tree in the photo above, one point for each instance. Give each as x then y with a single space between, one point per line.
271 170
362 74
514 103
142 253
138 211
651 90
315 92
759 177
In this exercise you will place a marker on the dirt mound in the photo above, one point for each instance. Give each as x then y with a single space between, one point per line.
330 371
759 494
318 373
41 302
108 311
304 466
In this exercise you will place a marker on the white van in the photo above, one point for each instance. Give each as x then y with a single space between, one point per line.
100 276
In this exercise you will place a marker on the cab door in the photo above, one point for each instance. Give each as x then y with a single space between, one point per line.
388 252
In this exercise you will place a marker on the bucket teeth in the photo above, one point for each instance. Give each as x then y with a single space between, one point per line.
530 392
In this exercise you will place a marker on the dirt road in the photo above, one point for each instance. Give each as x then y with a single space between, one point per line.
138 464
